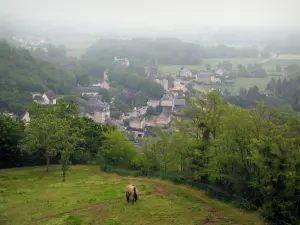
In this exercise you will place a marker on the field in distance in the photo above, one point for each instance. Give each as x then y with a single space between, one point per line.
165 69
89 196
290 56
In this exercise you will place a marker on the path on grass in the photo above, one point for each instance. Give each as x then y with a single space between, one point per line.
99 207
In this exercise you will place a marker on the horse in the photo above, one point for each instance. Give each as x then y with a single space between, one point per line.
131 190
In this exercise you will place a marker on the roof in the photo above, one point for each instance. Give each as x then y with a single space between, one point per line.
220 71
97 104
205 74
110 121
50 95
88 88
138 119
164 115
179 102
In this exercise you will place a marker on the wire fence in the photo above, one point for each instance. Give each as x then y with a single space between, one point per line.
242 203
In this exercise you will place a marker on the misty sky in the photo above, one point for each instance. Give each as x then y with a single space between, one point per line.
158 13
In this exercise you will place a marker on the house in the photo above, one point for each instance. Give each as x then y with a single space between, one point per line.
25 117
178 104
204 77
167 101
178 86
49 97
137 123
168 83
88 90
185 72
104 85
95 109
153 103
215 80
163 119
123 62
220 72
137 134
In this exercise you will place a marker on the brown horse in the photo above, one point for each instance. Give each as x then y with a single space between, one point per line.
131 190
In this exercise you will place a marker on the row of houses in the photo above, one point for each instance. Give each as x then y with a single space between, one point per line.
95 109
47 98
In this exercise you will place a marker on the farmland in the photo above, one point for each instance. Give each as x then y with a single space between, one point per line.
165 69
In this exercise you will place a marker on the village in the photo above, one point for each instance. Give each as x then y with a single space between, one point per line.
138 123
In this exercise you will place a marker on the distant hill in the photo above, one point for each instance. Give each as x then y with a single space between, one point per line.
21 74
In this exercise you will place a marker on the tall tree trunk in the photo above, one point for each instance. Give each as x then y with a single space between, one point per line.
48 163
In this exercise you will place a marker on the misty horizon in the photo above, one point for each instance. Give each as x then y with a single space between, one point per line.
157 15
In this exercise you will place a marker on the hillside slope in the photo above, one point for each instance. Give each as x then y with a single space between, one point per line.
21 74
30 196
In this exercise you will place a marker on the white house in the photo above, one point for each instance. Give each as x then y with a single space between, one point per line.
26 117
185 73
49 98
124 61
137 123
153 103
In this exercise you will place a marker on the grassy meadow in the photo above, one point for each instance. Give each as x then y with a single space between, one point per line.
165 69
75 48
89 196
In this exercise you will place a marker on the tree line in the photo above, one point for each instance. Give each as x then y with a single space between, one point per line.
55 134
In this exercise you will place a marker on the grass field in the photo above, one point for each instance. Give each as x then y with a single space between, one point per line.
271 65
165 69
31 196
240 82
75 48
291 56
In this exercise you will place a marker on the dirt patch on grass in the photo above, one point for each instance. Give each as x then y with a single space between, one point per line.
97 209
214 217
162 189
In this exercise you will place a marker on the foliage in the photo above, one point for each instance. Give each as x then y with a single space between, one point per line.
141 50
11 133
252 153
286 90
116 149
136 84
51 131
252 70
21 74
223 51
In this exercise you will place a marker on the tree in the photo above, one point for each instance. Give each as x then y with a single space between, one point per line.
106 97
162 150
278 87
140 99
226 65
208 67
11 133
42 135
52 130
150 111
116 149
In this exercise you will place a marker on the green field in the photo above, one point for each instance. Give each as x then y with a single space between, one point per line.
165 69
271 65
75 48
31 196
240 82
291 56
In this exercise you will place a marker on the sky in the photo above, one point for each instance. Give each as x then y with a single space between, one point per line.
157 13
